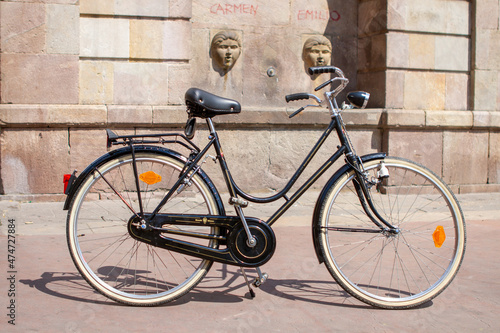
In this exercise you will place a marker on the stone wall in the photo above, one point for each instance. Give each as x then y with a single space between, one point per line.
69 69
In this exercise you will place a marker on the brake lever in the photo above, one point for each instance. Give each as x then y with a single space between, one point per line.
302 109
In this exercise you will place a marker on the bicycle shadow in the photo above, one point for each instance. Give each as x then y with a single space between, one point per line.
222 287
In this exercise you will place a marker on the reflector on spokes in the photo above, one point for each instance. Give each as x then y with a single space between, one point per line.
439 236
150 177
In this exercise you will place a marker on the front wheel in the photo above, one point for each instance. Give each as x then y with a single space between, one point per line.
115 264
386 269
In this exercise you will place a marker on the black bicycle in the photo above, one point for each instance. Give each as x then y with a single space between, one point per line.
145 223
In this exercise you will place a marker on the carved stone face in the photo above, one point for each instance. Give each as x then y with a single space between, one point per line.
226 53
318 55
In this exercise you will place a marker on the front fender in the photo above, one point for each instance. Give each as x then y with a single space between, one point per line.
315 221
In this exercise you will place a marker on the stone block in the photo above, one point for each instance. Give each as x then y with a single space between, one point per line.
140 83
96 82
259 13
99 7
22 27
485 89
396 14
375 84
63 25
448 17
86 146
424 90
178 83
39 79
373 17
169 115
394 85
34 160
487 14
181 8
457 91
131 114
76 115
398 47
146 38
405 118
422 51
494 159
176 43
372 52
465 157
104 38
449 119
424 147
452 53
154 8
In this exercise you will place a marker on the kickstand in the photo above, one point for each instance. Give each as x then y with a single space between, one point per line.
252 293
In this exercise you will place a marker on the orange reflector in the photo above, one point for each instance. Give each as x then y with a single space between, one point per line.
150 177
439 236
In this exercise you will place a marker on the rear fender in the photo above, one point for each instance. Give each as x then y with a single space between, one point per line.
138 149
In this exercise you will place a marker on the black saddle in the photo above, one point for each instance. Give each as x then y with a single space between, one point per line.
203 104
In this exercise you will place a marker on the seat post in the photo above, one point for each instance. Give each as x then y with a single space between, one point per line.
211 126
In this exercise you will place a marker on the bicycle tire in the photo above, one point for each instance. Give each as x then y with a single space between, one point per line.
393 271
110 260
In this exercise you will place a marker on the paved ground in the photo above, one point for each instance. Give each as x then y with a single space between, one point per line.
298 297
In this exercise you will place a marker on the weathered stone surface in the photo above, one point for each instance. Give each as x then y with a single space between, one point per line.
485 89
424 90
373 17
15 115
449 119
465 157
140 83
395 89
96 82
63 23
422 51
405 118
171 115
457 91
372 52
375 84
104 38
22 27
258 13
97 7
487 14
437 16
146 39
181 8
39 79
178 83
86 146
424 147
494 159
452 53
33 161
131 114
176 42
398 47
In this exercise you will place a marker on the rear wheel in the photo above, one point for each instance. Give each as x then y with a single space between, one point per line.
393 270
115 264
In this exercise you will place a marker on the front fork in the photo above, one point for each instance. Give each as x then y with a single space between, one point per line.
362 185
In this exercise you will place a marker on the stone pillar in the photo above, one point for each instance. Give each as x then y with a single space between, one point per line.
415 54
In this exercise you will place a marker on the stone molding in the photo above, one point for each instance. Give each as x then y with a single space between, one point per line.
54 116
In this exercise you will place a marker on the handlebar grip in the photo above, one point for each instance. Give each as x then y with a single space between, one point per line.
322 70
296 97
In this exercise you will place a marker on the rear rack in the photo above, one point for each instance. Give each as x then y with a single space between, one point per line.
126 140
